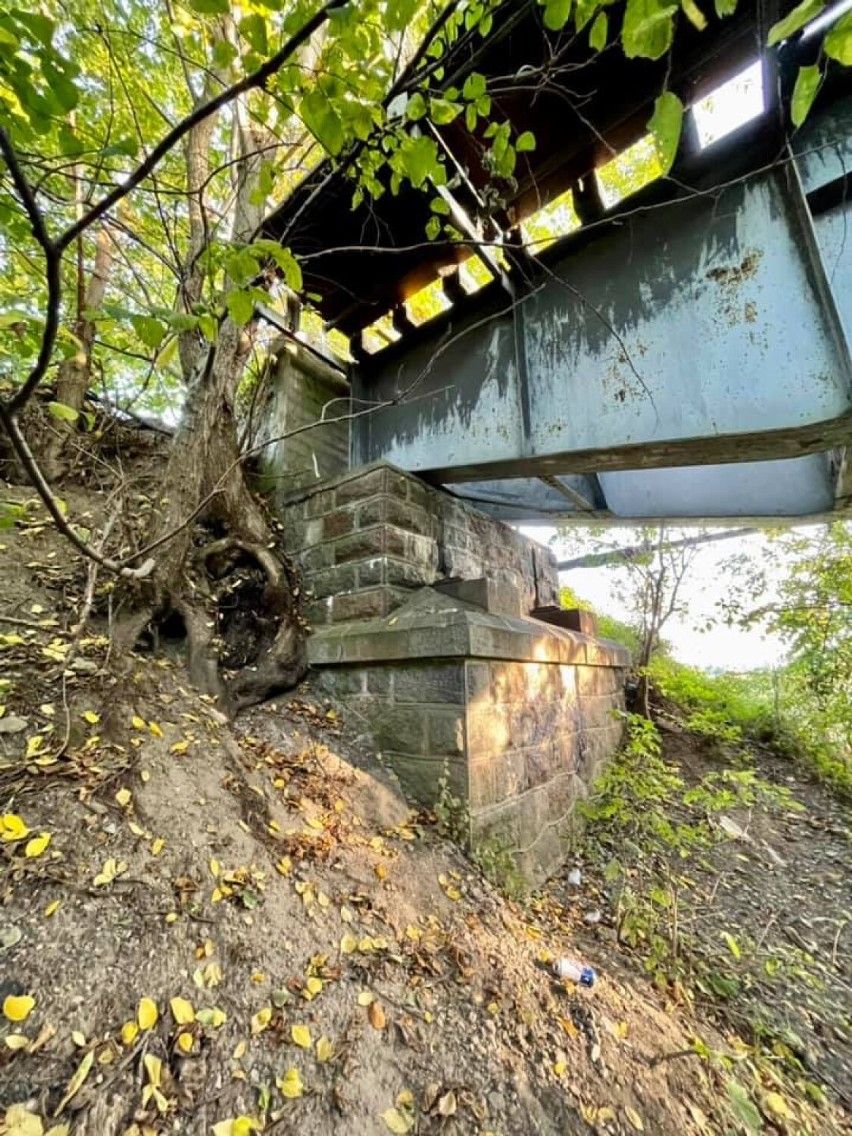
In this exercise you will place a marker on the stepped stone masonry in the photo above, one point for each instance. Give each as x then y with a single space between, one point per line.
366 539
421 624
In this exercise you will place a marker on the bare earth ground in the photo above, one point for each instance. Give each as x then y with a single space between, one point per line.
339 966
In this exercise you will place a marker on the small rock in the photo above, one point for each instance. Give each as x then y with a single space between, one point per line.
13 725
592 917
10 935
575 877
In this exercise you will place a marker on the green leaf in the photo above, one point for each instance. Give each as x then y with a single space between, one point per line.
525 142
399 14
210 7
416 107
253 29
149 330
474 86
648 28
224 54
725 8
442 111
584 11
666 125
419 159
240 306
290 267
805 91
62 412
744 1107
694 14
599 32
838 43
802 14
322 120
732 944
556 14
438 205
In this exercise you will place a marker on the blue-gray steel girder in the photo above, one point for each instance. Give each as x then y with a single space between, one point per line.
706 331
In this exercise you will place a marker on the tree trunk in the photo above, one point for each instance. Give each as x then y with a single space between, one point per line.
222 574
74 376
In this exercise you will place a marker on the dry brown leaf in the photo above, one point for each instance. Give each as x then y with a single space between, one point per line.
376 1014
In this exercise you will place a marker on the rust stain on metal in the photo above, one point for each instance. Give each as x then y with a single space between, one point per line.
739 273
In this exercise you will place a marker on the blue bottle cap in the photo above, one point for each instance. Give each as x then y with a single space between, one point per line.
587 976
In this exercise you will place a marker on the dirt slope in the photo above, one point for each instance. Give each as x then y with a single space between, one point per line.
339 966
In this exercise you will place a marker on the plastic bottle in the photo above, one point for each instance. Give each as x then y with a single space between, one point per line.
574 971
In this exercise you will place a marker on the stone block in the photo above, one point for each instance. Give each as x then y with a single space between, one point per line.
478 677
446 733
441 683
332 581
408 573
420 776
495 596
343 682
380 680
361 485
368 603
402 728
339 523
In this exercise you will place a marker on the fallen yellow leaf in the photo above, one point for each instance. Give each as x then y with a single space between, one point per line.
325 1050
91 717
19 1121
238 1126
777 1105
313 986
37 846
144 776
154 1068
35 745
12 828
261 1020
290 1085
397 1121
16 1041
301 1036
124 797
155 729
182 1011
348 944
129 1033
634 1118
17 1008
138 723
76 1082
365 998
185 1042
147 1013
52 908
157 846
110 871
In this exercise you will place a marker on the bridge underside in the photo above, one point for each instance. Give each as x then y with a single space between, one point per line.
690 359
684 353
